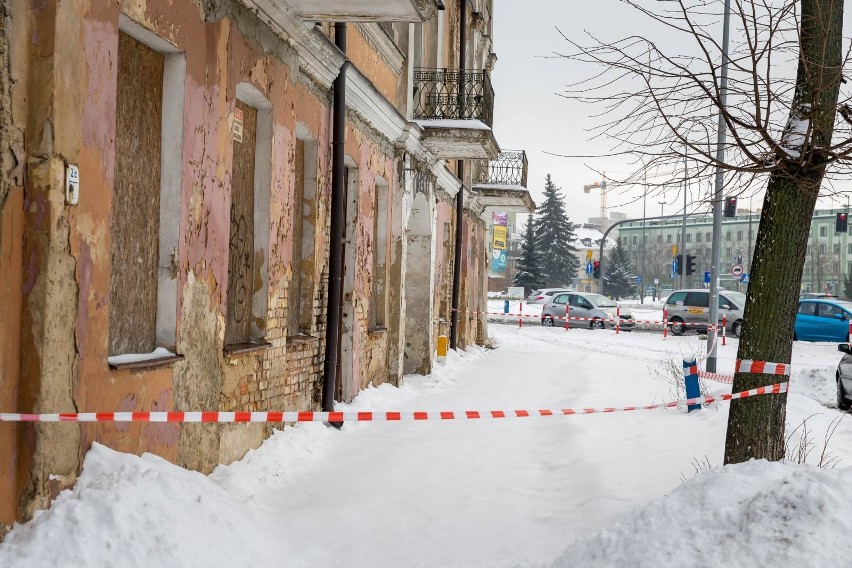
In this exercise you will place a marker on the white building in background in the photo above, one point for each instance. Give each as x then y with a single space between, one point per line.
588 246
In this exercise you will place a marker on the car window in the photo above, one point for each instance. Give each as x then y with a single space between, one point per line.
675 298
828 310
698 299
734 299
561 299
584 303
601 301
807 308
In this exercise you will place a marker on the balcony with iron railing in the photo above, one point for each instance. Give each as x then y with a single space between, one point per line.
455 107
501 184
509 169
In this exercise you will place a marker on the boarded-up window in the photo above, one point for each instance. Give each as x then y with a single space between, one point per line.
379 301
300 316
135 222
241 243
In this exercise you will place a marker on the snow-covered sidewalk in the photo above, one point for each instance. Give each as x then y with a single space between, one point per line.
502 493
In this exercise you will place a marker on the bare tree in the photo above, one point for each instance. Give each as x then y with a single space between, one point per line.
789 127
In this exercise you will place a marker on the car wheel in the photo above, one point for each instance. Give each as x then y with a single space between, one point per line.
736 328
547 322
677 326
842 402
597 324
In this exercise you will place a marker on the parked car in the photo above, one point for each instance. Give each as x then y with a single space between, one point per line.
586 305
693 307
542 295
844 377
823 320
816 296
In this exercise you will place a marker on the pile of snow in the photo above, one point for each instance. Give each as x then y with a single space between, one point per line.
752 514
143 511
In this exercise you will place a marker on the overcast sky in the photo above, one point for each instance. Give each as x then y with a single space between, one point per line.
529 115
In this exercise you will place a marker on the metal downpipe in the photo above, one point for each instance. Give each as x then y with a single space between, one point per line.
454 316
338 202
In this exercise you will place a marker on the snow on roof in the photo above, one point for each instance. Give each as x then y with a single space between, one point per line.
593 235
453 123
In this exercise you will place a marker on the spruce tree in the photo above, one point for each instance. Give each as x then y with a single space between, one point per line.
554 239
619 278
528 272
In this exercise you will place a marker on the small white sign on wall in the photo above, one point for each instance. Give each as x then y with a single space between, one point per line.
237 126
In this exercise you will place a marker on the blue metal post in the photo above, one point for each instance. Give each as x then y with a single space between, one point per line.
690 380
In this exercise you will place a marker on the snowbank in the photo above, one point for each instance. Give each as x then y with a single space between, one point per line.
752 514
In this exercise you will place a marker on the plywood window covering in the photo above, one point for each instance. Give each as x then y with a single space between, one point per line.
135 221
241 273
378 305
294 296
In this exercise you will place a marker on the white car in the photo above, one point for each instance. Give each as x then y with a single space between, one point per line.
542 295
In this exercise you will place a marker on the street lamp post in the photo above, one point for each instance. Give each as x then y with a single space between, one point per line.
715 263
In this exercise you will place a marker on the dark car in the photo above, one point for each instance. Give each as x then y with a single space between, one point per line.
844 377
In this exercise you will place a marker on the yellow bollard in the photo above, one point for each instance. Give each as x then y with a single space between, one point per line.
442 348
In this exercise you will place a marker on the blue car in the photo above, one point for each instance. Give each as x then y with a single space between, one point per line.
823 320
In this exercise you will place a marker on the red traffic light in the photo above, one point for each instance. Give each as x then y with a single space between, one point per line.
843 215
596 264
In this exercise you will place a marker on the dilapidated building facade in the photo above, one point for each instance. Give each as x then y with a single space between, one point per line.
167 214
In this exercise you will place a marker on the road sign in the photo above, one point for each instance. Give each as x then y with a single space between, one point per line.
656 280
744 278
737 270
588 255
707 277
674 266
638 280
588 268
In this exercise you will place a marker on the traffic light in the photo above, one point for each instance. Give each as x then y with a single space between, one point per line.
596 269
730 206
841 223
690 265
679 259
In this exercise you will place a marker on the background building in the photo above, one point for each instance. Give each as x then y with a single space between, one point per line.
828 260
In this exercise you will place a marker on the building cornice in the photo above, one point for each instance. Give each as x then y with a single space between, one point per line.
384 45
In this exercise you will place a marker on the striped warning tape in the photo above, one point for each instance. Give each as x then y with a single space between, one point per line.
718 377
562 318
761 367
747 366
364 416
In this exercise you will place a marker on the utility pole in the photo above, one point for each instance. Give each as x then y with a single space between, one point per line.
715 254
642 285
683 228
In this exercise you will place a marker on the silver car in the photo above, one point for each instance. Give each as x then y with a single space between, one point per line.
693 307
542 295
598 311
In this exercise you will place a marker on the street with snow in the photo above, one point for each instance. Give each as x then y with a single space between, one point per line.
640 488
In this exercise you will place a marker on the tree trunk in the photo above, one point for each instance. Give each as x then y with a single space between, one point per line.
756 425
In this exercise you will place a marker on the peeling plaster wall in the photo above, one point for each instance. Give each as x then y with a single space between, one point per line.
63 312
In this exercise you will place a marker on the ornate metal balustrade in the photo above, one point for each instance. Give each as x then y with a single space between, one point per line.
510 168
453 94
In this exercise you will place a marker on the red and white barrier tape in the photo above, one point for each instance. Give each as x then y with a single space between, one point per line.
761 367
718 377
747 366
363 416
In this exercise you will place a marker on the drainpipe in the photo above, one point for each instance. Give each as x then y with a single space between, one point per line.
338 201
454 321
